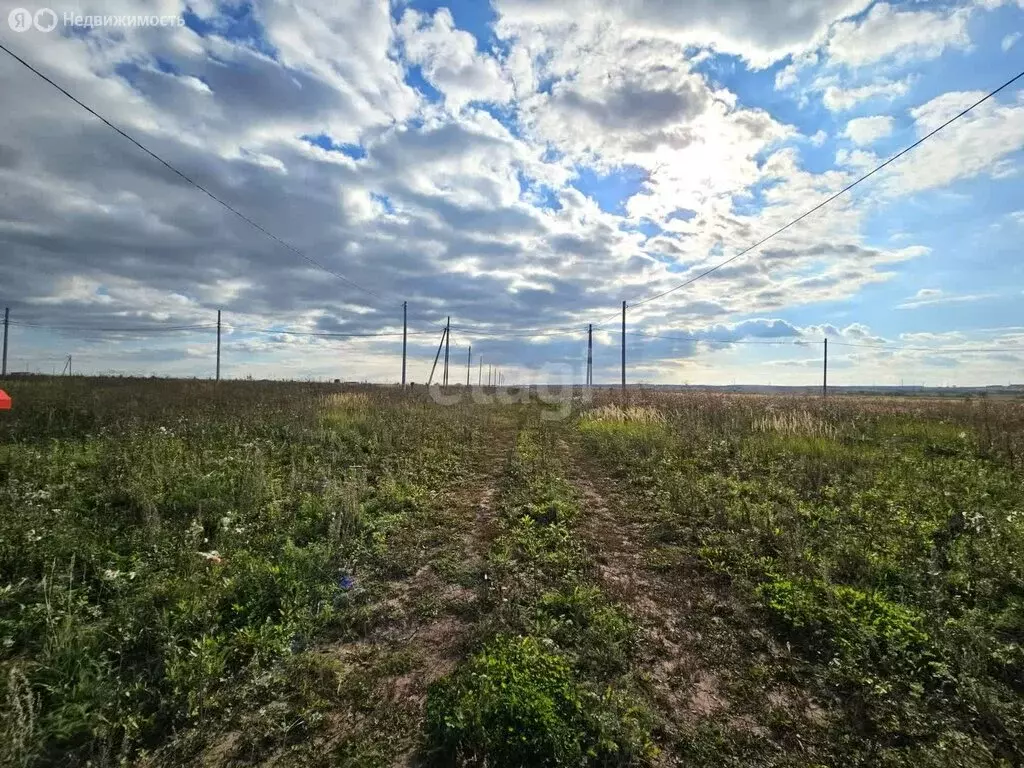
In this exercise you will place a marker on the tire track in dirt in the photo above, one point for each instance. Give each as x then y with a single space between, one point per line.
417 629
698 643
439 642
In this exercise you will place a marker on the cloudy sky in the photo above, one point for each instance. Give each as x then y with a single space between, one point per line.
522 166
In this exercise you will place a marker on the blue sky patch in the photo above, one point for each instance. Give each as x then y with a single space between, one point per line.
235 22
322 140
474 16
611 190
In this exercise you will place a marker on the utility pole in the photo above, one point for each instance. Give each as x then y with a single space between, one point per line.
480 370
447 335
405 333
824 372
444 335
623 347
469 363
7 320
218 345
490 374
590 354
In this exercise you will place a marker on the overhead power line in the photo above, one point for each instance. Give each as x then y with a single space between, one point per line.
833 197
895 347
332 334
706 340
195 184
115 329
484 333
521 332
210 327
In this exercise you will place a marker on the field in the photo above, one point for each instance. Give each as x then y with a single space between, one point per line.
251 573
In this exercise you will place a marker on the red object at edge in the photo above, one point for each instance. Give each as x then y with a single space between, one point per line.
5 401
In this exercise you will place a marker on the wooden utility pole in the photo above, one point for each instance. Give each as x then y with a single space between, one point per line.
623 347
469 363
590 354
824 372
444 335
405 334
490 374
480 370
7 320
218 345
447 338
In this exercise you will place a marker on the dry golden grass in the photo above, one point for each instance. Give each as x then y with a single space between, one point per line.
636 414
801 423
347 400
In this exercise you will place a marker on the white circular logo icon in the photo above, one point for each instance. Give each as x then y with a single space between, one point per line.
19 19
45 20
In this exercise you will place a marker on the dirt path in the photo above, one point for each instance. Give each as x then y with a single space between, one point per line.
709 668
412 615
427 620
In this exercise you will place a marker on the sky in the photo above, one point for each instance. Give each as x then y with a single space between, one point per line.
522 167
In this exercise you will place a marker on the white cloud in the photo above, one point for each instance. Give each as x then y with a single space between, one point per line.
993 4
933 113
838 99
761 31
858 159
439 202
789 75
931 296
888 32
978 143
1009 41
450 60
863 131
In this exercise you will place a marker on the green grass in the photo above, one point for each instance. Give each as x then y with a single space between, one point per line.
158 565
513 704
886 556
298 574
548 687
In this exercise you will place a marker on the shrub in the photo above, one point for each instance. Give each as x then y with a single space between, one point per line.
514 704
861 629
517 704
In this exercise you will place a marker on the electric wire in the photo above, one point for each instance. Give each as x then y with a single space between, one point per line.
186 178
832 197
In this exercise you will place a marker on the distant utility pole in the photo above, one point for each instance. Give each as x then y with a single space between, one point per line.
405 333
623 347
590 354
824 372
469 363
490 374
444 335
447 339
7 320
218 345
480 370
